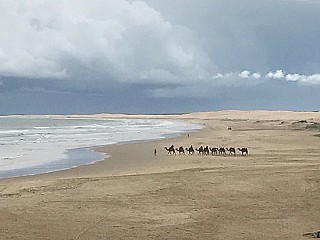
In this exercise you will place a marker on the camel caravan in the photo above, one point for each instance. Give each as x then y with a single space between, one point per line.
222 151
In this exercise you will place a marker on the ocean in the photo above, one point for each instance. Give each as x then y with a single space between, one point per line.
33 144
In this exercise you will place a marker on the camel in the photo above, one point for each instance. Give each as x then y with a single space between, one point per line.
231 150
170 150
244 151
206 150
190 150
199 150
180 150
222 151
214 151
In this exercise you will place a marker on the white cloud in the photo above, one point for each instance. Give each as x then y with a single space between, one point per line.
79 39
313 79
256 75
244 74
234 75
305 79
242 78
247 74
218 75
276 75
293 77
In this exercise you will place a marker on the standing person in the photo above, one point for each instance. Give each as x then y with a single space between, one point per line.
155 152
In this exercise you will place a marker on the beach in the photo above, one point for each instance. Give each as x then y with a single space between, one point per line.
273 193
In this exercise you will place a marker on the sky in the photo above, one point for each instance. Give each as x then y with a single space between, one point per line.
158 56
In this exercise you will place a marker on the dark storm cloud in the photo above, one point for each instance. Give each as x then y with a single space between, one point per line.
158 56
257 35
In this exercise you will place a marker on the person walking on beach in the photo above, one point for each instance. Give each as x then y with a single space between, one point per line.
155 152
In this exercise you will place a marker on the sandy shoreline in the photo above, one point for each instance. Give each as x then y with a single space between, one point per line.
273 193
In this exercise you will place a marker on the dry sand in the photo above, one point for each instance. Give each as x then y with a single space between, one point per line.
274 193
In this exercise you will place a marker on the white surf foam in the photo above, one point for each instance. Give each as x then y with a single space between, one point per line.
30 142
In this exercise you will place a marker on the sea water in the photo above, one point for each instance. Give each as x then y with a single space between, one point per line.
33 144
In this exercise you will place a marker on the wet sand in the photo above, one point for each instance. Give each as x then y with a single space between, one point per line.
273 193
